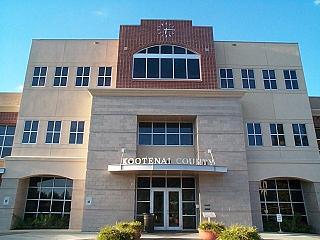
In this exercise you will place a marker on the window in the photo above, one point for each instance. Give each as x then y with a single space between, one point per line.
318 137
6 140
290 78
269 79
104 78
53 132
82 79
254 134
30 131
300 135
49 195
277 135
226 78
248 78
281 196
166 62
60 77
161 133
76 132
39 76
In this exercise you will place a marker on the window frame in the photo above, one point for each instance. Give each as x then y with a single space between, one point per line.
226 78
290 79
77 132
53 132
269 79
30 131
38 76
61 76
300 135
104 76
4 136
248 79
277 134
254 134
166 133
187 55
82 76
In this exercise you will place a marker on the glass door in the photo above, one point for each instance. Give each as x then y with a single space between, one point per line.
158 209
174 210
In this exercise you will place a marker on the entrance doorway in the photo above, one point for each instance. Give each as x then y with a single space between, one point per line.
172 200
166 205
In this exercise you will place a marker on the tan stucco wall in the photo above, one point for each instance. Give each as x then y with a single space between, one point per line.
10 102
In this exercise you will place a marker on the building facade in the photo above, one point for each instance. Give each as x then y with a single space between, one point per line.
163 120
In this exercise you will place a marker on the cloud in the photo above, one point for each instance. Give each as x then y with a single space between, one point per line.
316 2
20 88
98 12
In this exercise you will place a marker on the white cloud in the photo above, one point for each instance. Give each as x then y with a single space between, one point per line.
20 88
317 2
98 13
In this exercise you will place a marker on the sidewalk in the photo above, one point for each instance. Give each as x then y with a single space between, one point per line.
77 235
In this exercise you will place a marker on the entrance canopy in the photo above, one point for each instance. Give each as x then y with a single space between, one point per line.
119 168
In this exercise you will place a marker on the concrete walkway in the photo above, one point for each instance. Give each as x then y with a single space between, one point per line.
77 235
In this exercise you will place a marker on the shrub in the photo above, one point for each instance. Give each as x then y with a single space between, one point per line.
134 225
42 222
295 225
239 232
113 233
213 226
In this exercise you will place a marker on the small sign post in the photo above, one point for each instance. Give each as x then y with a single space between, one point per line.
279 220
209 215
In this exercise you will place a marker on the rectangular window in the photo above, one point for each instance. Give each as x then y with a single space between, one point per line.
254 134
193 68
269 79
180 68
153 68
161 133
248 80
139 68
60 77
277 134
300 135
290 78
53 132
30 131
166 68
6 140
82 79
226 78
39 76
318 137
104 77
76 132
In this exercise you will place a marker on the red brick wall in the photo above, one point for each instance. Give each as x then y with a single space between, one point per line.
198 39
8 118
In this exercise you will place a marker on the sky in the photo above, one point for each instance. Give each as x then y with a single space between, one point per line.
243 20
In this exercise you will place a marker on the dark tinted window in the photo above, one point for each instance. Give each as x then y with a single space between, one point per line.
180 68
193 69
139 68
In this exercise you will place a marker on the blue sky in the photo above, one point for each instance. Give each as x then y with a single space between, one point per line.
246 20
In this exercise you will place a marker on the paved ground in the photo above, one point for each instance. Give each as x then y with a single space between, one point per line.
74 235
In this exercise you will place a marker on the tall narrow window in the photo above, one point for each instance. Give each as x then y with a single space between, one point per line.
277 135
254 134
6 140
60 77
269 79
166 62
76 132
290 78
226 78
39 76
30 131
53 132
248 78
300 135
82 79
104 77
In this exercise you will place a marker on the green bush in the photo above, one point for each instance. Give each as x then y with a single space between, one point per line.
295 225
42 222
134 225
213 226
239 232
113 233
